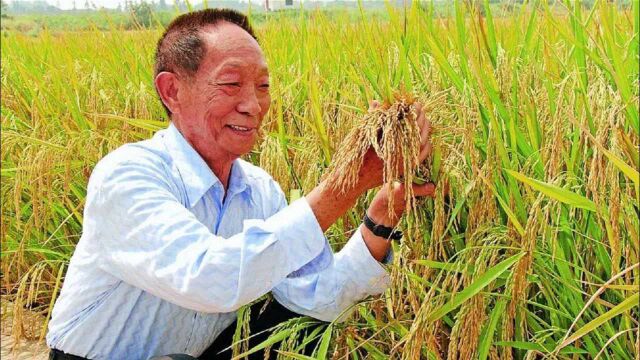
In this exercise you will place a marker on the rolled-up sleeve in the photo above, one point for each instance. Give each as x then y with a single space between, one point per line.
332 283
148 239
352 275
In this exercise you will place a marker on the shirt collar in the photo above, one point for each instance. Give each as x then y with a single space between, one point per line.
196 174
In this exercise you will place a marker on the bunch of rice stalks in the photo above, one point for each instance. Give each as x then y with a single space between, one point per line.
391 131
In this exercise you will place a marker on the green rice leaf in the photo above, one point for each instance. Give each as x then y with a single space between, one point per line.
625 305
271 340
474 288
492 46
486 336
523 345
512 217
630 172
295 356
555 192
324 343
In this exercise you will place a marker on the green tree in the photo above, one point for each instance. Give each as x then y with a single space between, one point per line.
141 13
3 10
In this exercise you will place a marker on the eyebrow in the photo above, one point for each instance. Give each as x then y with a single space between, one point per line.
240 64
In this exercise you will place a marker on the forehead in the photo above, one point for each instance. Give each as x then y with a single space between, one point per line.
228 45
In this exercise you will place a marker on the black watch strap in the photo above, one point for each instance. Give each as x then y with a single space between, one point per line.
381 230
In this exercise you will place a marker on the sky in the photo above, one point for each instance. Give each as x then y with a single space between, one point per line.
112 4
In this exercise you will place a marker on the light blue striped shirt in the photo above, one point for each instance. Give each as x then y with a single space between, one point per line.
164 263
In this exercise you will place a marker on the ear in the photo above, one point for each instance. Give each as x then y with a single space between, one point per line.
167 86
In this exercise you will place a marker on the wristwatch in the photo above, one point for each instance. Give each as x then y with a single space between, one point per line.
381 230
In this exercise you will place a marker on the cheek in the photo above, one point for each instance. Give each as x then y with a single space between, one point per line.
217 113
221 102
196 103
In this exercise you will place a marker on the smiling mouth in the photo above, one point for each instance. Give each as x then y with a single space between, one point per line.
242 130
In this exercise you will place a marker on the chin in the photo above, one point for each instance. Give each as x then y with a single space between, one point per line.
239 147
240 152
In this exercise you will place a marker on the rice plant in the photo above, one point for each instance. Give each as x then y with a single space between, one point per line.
530 248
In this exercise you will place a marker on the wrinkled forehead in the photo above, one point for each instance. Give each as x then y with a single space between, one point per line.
227 42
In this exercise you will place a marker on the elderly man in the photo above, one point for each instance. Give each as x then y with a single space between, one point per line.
179 232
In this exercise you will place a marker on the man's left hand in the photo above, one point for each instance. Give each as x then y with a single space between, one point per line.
379 212
379 209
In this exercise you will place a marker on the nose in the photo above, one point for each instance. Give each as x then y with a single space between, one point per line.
249 104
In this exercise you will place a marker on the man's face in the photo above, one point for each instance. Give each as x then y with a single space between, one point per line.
223 104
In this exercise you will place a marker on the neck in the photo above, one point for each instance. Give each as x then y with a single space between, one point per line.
219 162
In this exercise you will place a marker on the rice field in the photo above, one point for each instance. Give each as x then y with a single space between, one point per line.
534 251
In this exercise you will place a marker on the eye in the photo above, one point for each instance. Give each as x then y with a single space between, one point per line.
264 86
235 84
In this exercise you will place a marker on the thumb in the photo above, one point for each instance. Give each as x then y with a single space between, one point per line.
428 189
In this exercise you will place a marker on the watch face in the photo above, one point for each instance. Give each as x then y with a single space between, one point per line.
397 235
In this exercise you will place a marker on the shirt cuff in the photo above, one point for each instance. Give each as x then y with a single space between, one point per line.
366 270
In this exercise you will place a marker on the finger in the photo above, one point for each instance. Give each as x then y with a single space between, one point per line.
373 104
425 142
425 146
425 130
419 115
418 107
425 151
428 189
424 125
425 137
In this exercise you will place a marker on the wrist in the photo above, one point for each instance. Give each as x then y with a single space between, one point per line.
380 230
381 216
378 247
379 209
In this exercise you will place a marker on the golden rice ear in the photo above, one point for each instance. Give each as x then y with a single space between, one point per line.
401 96
391 130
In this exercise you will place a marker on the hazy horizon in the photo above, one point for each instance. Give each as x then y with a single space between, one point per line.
113 4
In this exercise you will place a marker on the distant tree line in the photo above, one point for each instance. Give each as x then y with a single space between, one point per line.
149 13
24 7
3 10
141 7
